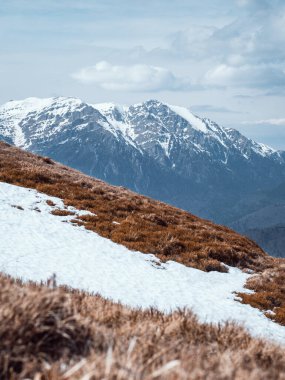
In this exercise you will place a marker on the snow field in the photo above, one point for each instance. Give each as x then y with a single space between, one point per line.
34 245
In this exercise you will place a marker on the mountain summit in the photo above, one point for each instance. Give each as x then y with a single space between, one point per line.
156 149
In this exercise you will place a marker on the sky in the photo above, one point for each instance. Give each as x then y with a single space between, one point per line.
224 59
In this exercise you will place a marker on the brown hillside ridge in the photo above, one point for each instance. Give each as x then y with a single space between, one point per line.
146 225
140 223
50 333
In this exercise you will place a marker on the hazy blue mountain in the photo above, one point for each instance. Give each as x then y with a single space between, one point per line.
156 149
265 221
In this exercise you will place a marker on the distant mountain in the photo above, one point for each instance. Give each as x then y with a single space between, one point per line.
265 221
156 149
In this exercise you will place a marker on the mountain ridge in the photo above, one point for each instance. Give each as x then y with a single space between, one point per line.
64 105
161 151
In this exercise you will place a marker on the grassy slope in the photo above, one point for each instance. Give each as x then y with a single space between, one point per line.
58 334
150 226
144 224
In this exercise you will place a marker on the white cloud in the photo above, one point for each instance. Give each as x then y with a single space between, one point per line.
248 51
278 122
260 4
256 76
209 108
138 77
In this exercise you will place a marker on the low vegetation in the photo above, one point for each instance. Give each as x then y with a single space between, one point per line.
140 223
269 296
58 212
50 333
149 226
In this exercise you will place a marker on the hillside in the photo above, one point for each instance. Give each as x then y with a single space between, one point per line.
61 228
163 151
140 223
48 226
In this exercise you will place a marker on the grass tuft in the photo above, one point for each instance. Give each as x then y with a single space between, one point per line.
49 333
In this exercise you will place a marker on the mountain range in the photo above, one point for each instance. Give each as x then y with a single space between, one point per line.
162 151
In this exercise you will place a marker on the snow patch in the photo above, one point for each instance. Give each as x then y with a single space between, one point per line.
263 150
108 110
35 245
195 121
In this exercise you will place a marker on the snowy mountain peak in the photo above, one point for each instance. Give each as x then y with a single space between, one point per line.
20 108
13 112
24 122
159 128
150 103
162 131
153 106
110 107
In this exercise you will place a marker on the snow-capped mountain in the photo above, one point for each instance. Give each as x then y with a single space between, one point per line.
77 134
156 149
162 130
196 149
151 127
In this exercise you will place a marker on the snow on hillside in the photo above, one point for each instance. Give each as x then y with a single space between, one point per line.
193 120
36 244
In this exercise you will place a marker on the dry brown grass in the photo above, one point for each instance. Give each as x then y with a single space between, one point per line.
144 224
38 326
58 212
269 287
149 226
58 334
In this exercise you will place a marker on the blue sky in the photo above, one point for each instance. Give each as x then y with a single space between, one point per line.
223 59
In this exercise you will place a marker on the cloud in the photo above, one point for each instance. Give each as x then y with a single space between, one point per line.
213 109
246 76
260 4
257 35
248 51
137 77
276 122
